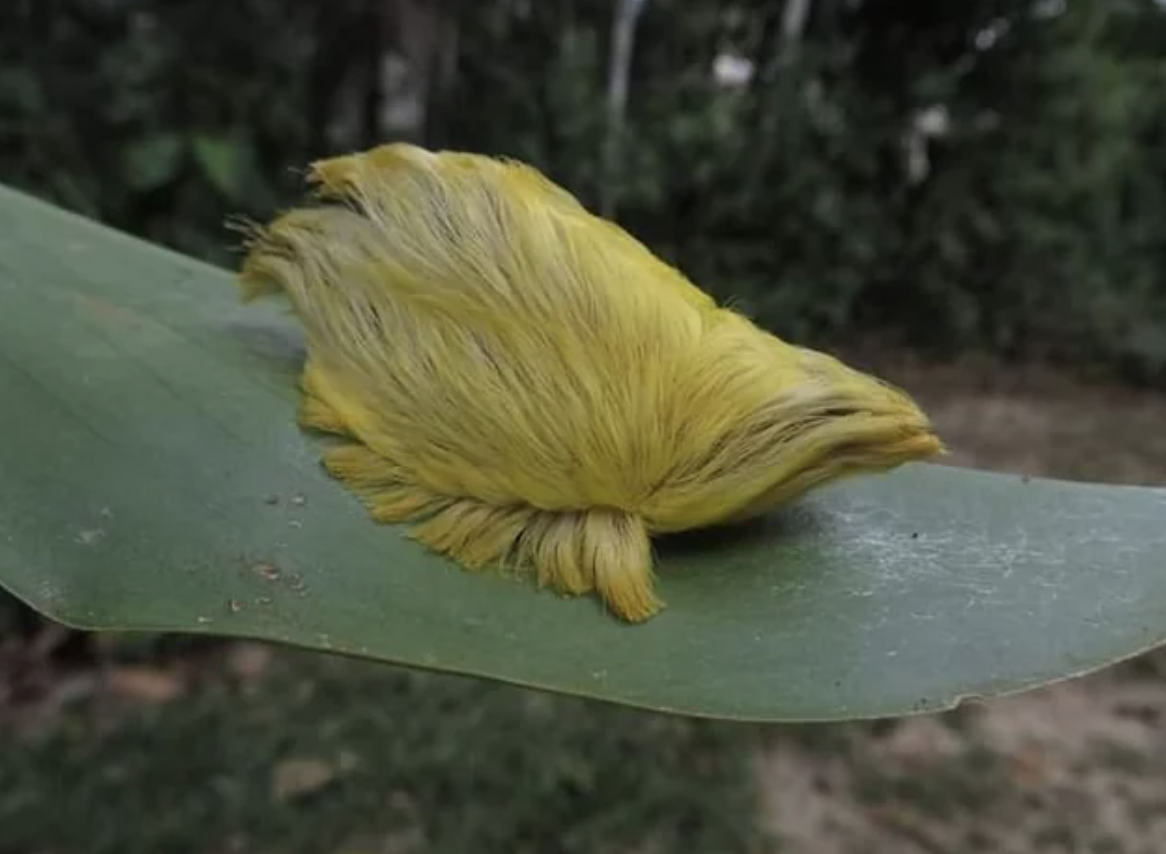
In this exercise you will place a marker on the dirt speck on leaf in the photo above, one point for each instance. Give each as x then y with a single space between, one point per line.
267 570
90 537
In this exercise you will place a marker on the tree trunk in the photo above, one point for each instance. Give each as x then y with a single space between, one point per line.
420 69
623 40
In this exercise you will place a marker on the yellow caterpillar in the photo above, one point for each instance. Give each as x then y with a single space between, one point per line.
530 385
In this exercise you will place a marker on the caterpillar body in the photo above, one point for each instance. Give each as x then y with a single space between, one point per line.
527 384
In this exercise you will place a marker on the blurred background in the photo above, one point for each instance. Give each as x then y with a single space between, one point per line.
966 197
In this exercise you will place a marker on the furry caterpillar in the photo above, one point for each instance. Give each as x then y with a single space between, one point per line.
527 383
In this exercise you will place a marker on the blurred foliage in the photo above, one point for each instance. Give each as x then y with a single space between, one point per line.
325 754
1029 230
156 117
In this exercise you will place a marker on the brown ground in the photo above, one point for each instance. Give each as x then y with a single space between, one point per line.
1075 767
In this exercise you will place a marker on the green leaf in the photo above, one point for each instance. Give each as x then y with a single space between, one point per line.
152 478
153 161
229 163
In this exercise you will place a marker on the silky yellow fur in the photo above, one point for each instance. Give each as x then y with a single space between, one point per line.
529 385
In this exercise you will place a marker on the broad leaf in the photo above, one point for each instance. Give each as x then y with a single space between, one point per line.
152 478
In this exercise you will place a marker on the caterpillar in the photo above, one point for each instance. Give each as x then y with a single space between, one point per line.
528 385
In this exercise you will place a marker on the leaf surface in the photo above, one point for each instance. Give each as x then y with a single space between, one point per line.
152 478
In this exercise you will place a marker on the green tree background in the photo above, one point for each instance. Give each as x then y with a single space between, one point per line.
977 176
